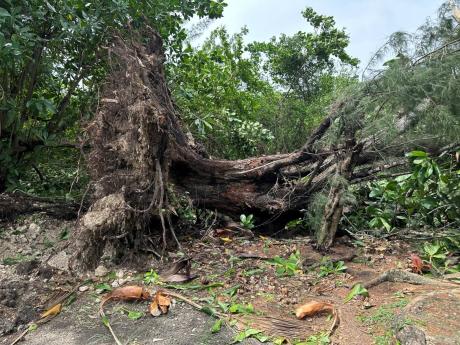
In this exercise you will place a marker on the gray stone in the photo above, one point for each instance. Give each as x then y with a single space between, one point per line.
60 261
101 271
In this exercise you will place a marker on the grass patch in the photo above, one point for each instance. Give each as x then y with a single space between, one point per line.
384 317
9 261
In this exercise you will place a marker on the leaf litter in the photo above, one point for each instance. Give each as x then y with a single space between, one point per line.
242 273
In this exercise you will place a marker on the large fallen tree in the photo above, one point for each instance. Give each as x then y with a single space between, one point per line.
141 154
141 157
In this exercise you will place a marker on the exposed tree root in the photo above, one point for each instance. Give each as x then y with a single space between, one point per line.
399 276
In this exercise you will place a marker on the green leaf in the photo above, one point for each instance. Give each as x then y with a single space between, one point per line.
237 308
103 287
385 224
32 327
223 306
251 331
417 154
217 326
262 337
134 315
209 310
105 321
4 12
358 289
232 291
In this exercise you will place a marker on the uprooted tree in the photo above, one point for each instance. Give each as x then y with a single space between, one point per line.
141 155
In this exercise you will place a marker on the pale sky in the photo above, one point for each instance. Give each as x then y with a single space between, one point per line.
368 22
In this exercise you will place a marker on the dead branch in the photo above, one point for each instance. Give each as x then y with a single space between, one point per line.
399 276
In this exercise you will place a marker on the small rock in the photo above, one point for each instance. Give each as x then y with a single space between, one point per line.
34 228
120 274
115 284
60 261
83 288
367 305
411 335
101 271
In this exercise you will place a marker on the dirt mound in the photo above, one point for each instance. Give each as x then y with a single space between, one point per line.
432 318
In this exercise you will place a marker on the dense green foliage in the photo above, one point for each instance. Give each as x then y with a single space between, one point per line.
263 97
53 61
428 196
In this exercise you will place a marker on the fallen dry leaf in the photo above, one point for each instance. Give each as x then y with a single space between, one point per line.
160 304
179 278
171 275
223 233
313 308
417 264
54 310
183 263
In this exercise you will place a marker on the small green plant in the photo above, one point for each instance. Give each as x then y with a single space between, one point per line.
103 287
151 277
247 222
237 308
216 326
132 314
9 261
64 235
385 314
287 267
293 224
232 291
357 290
253 272
328 267
436 254
47 243
250 333
318 339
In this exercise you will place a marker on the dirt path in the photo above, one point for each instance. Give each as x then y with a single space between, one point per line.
79 324
256 279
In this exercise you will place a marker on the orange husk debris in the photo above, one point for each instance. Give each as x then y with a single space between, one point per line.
160 304
312 308
126 293
54 310
315 307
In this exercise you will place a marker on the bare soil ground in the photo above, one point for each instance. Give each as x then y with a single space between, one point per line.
232 269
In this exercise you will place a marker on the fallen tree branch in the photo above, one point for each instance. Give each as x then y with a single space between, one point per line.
399 276
19 203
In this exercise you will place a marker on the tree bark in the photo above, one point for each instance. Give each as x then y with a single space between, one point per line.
334 206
